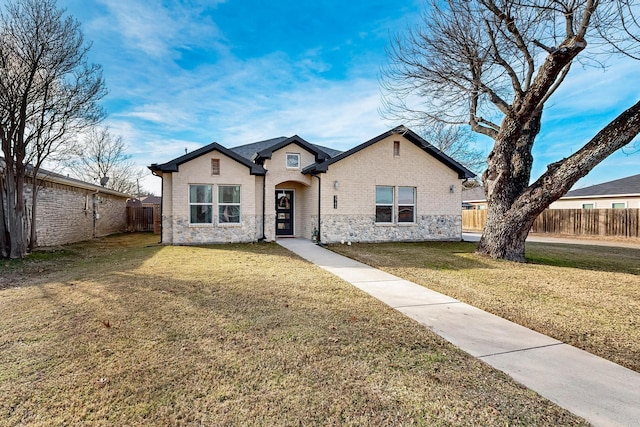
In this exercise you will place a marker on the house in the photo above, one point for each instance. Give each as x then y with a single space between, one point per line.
69 210
618 194
394 187
151 201
474 198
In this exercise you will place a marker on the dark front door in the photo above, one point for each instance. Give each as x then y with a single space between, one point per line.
284 213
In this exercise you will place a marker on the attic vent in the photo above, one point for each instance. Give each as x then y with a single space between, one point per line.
215 166
396 148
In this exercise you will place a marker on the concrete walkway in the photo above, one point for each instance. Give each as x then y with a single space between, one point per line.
603 393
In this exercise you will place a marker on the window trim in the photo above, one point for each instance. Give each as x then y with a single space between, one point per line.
391 205
222 204
297 155
401 205
210 204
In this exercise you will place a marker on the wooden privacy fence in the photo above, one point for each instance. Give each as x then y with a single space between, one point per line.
584 222
143 218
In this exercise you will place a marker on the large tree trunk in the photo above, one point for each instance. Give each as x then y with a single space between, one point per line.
4 234
505 179
513 207
16 224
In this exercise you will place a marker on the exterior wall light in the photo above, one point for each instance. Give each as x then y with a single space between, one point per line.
452 189
336 184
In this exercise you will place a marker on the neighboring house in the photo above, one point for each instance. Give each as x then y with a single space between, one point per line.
151 200
146 201
394 187
474 198
69 210
619 194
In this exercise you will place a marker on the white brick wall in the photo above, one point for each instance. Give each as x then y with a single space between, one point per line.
438 210
176 226
279 177
359 174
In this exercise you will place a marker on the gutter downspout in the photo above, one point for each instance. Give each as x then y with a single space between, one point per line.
161 205
264 206
319 206
161 201
94 205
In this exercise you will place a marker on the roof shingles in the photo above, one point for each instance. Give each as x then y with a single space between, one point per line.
629 185
252 155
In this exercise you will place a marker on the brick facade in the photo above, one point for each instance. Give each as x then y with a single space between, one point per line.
177 228
344 191
352 182
75 211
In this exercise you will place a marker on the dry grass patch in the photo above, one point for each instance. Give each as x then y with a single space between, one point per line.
587 296
124 332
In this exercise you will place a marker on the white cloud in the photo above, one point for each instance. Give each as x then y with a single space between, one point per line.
157 28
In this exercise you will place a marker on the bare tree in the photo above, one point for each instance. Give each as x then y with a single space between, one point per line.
48 91
456 142
493 65
100 155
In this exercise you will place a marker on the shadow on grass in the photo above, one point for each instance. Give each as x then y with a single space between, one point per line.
431 255
187 329
454 256
51 262
585 257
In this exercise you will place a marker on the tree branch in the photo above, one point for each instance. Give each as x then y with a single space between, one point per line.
560 176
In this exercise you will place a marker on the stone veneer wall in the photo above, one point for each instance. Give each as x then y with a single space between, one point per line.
362 228
189 234
64 214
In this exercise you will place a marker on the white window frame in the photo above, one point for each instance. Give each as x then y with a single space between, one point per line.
192 203
412 205
624 205
391 205
293 155
221 204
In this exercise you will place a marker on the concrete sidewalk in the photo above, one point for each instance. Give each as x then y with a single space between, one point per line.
603 393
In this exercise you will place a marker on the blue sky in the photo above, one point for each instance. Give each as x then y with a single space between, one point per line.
182 74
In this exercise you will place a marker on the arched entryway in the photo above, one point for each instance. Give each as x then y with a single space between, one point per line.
293 214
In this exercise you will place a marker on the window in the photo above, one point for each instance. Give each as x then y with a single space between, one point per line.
293 161
618 205
200 204
587 206
384 204
396 148
215 166
229 204
406 204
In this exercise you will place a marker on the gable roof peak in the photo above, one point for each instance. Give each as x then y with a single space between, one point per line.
320 155
406 133
173 165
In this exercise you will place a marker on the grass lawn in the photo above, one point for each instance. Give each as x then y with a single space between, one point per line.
121 331
587 296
